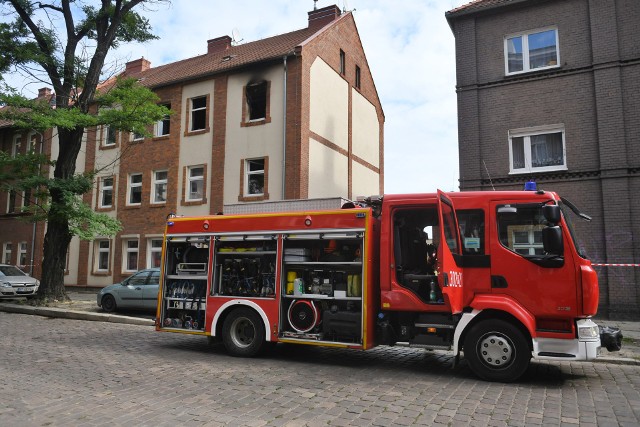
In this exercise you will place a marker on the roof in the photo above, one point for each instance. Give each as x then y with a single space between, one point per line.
478 6
234 57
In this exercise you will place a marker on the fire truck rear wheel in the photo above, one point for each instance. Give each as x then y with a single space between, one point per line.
497 351
243 333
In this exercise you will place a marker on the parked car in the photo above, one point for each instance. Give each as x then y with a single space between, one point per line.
16 283
138 291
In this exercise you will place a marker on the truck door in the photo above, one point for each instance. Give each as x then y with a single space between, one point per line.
450 274
543 283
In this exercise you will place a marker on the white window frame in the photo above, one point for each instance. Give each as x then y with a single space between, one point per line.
191 179
159 126
16 145
102 251
248 173
137 137
22 254
32 142
194 110
155 182
526 67
104 188
526 133
127 250
130 188
154 250
105 136
7 248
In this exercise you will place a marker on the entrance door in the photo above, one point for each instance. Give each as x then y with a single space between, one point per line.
450 274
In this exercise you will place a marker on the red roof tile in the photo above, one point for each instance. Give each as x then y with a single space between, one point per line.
234 57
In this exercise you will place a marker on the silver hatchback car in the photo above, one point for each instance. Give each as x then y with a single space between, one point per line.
138 291
16 283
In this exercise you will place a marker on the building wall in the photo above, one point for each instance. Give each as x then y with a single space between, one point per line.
594 94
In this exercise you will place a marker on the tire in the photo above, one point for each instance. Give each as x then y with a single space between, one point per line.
497 351
243 333
109 303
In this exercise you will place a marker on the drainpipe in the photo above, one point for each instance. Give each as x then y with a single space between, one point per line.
284 129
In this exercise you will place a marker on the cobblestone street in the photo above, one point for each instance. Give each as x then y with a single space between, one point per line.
60 372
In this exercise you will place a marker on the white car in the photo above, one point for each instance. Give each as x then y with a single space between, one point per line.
16 283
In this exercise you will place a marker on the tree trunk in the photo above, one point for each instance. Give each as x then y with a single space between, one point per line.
58 236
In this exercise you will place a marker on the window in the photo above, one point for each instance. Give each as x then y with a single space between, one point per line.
16 146
22 254
26 198
162 126
33 143
342 62
154 253
6 253
531 51
109 135
471 224
135 189
256 94
11 206
198 113
137 137
357 77
254 177
102 255
537 150
130 255
106 192
159 187
195 183
520 228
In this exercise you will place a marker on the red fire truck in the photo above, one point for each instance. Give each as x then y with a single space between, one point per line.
496 276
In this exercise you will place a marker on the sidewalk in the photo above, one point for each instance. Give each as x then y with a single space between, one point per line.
83 307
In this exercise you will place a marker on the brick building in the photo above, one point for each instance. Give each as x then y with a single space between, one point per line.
550 91
287 117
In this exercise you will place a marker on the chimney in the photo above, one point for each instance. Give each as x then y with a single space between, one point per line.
44 92
137 66
321 17
219 44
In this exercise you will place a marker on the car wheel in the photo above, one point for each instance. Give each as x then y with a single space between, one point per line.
108 303
243 333
497 351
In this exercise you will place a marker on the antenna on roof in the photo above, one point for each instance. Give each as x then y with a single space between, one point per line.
315 4
345 7
235 36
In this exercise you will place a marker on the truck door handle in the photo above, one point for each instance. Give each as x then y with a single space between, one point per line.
445 280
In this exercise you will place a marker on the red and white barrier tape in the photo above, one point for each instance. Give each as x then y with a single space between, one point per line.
614 265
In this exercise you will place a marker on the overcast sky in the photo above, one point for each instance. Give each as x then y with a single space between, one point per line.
409 48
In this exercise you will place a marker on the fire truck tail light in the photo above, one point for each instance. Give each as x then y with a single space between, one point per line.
205 225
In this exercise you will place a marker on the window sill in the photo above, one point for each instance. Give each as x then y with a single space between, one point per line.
160 137
193 202
108 147
257 122
158 205
101 273
539 170
533 71
105 209
133 206
256 198
196 132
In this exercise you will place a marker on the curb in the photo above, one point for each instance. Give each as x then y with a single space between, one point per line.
76 315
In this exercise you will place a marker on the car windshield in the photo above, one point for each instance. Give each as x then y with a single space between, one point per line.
10 270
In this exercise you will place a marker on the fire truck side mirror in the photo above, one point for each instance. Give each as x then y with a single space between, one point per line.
552 240
551 213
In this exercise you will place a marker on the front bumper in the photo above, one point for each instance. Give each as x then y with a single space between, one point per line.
18 290
582 348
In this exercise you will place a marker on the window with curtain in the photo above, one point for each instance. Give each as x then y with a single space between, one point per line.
537 150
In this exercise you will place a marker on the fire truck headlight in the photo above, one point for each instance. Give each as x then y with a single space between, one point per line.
588 331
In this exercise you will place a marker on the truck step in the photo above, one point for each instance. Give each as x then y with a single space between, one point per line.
425 346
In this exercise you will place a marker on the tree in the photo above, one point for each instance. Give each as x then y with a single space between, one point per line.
32 43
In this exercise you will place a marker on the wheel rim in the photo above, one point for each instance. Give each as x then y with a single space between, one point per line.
496 350
108 303
243 332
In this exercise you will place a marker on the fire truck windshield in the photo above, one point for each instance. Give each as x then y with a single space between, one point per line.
566 207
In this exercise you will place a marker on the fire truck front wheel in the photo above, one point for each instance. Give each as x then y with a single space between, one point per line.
497 350
243 333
